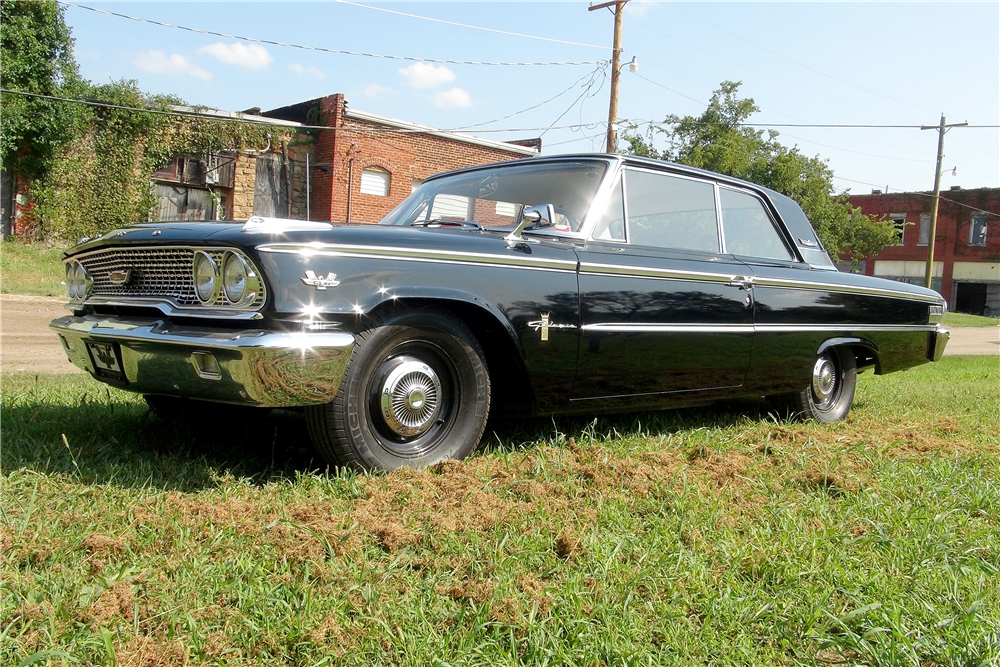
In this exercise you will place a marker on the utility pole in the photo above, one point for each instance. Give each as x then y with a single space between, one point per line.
941 128
616 64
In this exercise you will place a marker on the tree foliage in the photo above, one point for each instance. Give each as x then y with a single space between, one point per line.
36 56
89 166
102 178
718 140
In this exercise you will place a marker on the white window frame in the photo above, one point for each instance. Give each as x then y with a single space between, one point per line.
920 228
899 218
972 230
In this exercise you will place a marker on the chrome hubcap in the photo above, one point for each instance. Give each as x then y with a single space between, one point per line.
824 380
410 398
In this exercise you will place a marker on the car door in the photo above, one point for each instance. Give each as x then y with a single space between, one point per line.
663 309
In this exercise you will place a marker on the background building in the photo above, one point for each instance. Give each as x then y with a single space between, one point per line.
966 246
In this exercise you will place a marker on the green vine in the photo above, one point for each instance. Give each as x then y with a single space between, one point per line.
101 178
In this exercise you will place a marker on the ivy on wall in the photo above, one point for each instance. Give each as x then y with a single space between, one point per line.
101 178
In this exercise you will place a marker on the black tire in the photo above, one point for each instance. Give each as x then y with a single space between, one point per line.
829 393
185 411
389 413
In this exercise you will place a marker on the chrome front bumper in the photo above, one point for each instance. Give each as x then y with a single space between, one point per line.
249 367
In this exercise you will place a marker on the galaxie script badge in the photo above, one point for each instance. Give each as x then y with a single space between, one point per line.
319 282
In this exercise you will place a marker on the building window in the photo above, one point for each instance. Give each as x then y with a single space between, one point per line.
899 222
924 235
977 231
375 182
414 184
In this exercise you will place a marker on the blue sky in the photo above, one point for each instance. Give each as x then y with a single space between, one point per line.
830 63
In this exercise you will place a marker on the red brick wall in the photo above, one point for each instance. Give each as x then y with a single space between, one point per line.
951 244
407 156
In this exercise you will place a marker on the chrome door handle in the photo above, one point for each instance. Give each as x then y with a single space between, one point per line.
743 282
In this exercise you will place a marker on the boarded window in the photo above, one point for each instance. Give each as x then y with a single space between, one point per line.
924 233
375 182
450 207
977 234
414 184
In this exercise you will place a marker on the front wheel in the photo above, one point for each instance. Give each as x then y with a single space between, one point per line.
416 392
830 392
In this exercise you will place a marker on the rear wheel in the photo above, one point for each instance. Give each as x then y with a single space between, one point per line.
830 392
416 392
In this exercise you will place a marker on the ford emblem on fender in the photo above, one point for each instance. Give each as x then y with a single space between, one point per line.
120 277
319 282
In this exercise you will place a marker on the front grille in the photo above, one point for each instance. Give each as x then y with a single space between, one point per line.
153 273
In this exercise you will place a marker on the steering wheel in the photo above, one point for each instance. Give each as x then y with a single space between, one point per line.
566 219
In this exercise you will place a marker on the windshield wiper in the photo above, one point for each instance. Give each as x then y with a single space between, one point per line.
440 222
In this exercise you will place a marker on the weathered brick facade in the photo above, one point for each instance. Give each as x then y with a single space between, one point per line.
967 266
357 141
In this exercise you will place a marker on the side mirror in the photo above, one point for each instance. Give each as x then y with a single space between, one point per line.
542 215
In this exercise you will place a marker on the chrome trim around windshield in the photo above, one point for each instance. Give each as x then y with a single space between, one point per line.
421 255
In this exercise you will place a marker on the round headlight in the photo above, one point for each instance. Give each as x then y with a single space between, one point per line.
84 283
71 279
234 277
206 276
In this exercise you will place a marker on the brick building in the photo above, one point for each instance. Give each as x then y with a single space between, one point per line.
966 246
365 164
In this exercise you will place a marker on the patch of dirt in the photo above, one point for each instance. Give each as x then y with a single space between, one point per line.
568 544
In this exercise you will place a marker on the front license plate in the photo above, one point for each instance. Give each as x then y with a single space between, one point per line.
107 360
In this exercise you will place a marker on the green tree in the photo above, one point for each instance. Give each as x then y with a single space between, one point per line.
718 140
36 56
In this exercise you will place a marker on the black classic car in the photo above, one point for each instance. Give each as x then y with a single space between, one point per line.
571 284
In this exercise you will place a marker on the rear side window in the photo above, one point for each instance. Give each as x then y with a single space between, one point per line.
670 212
748 227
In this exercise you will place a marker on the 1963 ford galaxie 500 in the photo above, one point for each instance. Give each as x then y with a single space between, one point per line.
572 284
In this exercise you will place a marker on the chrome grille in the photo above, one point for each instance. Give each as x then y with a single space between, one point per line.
153 273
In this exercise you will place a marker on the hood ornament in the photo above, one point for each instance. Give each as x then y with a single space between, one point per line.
319 282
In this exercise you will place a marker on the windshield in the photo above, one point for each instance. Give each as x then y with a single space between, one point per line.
496 196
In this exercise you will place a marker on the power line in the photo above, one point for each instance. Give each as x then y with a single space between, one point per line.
319 48
474 27
254 121
516 113
586 90
921 194
784 57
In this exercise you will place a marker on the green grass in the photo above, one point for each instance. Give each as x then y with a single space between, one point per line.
31 269
701 536
966 320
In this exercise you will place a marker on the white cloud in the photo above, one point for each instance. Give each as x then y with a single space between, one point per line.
456 97
373 91
250 56
175 64
302 70
426 75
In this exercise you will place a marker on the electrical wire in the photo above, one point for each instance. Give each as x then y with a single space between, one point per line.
474 27
921 194
517 113
590 85
251 121
320 48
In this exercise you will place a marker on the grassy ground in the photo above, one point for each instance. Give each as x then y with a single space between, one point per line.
966 320
31 269
712 535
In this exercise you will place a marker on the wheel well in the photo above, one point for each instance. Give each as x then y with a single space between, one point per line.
510 389
865 352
